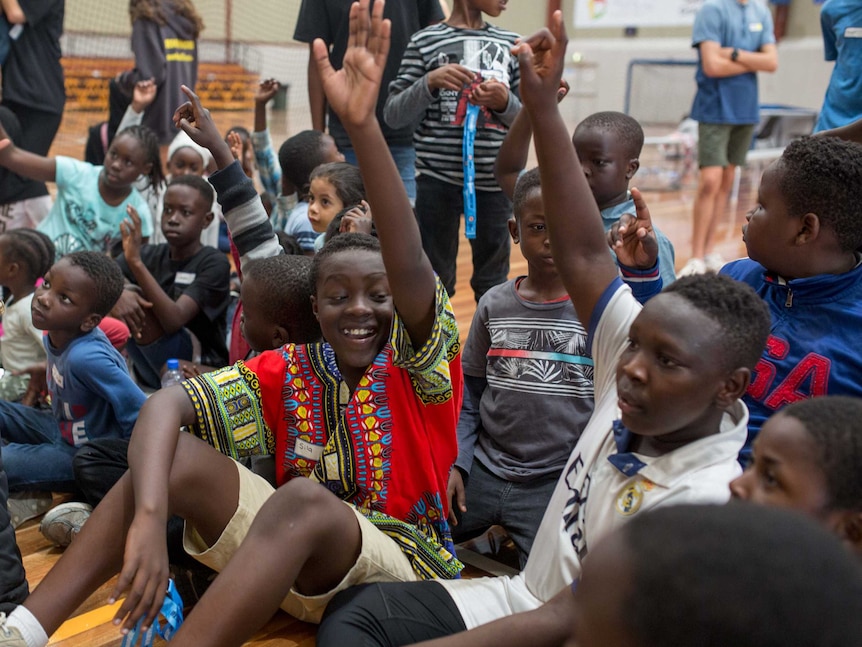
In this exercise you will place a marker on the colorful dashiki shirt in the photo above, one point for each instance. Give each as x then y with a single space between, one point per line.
387 448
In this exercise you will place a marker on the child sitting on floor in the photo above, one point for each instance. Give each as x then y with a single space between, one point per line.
91 200
91 392
183 285
525 359
334 186
803 239
25 256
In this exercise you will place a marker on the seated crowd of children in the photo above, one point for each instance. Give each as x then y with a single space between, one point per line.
332 442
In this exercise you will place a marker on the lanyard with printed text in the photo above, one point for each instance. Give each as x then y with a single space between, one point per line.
470 121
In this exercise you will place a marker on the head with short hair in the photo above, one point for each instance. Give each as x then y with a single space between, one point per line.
625 130
527 183
741 314
808 457
279 309
197 183
823 175
301 153
337 245
31 249
714 576
106 276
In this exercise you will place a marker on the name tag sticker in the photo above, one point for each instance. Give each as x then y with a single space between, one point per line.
755 26
853 32
185 278
307 450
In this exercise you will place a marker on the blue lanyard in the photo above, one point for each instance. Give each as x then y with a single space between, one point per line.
172 611
470 121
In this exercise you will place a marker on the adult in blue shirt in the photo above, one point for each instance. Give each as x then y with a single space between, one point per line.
734 40
841 23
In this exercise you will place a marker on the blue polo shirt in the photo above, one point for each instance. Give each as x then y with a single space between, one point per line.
841 23
730 23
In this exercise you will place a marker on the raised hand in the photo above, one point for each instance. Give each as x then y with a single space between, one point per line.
633 238
234 141
197 123
132 233
352 90
542 59
266 90
143 94
357 220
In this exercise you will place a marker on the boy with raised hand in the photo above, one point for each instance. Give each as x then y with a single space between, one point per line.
668 419
608 145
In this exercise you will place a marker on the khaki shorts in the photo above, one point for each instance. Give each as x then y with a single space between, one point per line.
380 559
723 144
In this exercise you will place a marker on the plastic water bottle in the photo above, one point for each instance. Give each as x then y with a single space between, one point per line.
173 375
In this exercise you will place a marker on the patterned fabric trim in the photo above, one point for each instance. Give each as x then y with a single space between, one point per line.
429 365
227 408
429 559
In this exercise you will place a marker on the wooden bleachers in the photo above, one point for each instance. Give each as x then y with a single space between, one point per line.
221 86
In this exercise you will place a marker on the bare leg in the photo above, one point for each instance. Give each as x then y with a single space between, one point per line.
204 488
720 208
708 190
304 536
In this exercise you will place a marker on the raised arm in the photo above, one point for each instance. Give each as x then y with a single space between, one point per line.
512 156
352 94
17 160
316 97
574 223
851 132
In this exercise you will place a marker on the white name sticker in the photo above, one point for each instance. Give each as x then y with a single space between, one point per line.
185 278
853 32
307 450
755 26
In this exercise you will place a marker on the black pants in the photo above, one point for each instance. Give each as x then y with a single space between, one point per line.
13 583
388 615
38 129
98 465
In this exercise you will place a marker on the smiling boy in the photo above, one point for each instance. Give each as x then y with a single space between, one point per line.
183 284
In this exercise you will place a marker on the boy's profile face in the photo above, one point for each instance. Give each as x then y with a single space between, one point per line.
672 371
492 8
354 307
185 161
185 215
770 231
606 163
785 471
257 329
529 231
65 300
329 151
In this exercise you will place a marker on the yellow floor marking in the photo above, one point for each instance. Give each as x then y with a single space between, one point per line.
85 622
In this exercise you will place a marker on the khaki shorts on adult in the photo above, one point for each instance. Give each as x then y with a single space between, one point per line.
380 559
723 144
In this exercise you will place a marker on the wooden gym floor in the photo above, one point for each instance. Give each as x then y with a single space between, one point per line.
671 211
